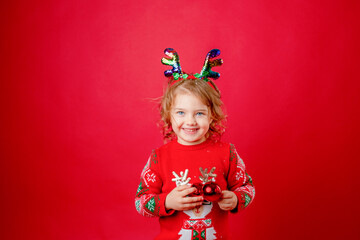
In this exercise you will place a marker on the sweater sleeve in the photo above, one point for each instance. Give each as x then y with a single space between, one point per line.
239 181
149 200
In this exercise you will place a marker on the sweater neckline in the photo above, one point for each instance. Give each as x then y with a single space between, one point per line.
199 146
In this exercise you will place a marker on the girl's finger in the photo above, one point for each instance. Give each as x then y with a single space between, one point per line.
226 197
186 191
189 206
227 194
182 187
226 204
224 200
188 200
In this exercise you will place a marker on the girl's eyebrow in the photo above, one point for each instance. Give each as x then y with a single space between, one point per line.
196 110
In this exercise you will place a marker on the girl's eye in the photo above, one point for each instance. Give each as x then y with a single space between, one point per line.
180 113
200 114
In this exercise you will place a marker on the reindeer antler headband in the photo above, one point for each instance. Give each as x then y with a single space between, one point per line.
172 59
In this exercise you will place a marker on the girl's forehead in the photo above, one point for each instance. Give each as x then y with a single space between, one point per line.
188 100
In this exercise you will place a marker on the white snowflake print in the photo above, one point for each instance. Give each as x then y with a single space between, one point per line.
239 175
151 205
150 177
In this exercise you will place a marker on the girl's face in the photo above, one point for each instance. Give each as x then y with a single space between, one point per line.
190 119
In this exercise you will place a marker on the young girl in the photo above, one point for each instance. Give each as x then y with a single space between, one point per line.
195 180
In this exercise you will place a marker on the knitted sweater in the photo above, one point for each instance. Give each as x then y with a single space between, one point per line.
158 179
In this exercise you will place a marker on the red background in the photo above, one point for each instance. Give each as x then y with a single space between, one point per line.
78 80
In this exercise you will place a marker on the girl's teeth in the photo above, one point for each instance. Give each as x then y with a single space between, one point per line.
190 130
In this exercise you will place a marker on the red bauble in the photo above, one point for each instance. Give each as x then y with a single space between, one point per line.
212 192
199 189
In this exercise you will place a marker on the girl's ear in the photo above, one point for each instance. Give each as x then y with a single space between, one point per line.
210 116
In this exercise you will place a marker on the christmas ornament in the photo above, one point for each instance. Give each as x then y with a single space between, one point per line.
199 189
212 192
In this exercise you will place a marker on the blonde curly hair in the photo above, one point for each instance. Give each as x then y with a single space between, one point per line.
209 95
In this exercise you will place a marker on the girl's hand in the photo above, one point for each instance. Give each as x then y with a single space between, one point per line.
228 200
177 199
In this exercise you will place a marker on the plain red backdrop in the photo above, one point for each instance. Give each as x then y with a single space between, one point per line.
78 83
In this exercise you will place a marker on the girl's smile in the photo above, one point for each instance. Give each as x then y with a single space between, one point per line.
190 119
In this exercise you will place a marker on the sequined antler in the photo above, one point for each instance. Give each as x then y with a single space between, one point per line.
206 71
207 177
172 59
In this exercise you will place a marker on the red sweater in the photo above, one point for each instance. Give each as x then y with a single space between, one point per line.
208 221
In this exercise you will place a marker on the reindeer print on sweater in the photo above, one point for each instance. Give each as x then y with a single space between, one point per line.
197 226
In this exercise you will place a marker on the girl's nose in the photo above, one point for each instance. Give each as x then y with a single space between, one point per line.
191 120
